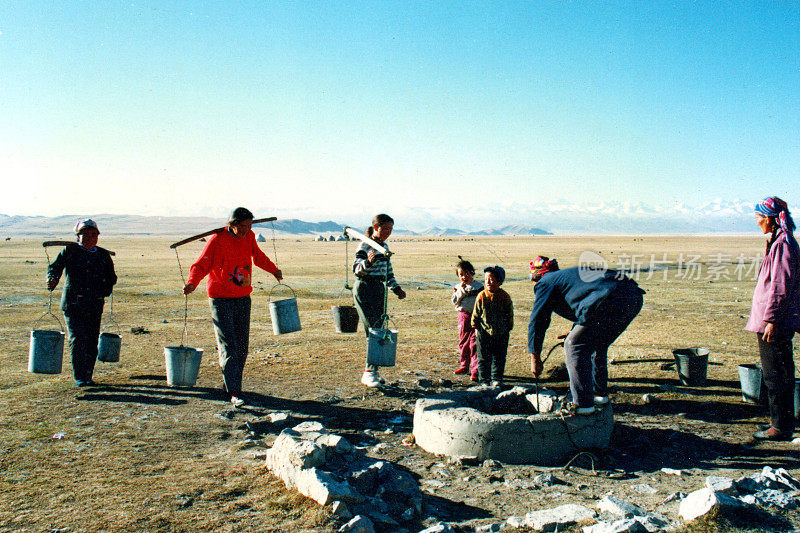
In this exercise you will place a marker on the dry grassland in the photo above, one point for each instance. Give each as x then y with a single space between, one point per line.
136 455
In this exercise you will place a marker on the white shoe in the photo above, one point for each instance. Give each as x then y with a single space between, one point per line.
371 379
601 400
236 401
572 409
497 384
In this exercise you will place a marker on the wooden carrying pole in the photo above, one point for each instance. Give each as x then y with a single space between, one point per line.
65 243
201 235
350 232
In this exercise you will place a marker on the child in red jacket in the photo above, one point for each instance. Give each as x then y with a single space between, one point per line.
227 260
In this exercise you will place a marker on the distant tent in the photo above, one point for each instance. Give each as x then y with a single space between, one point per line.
331 238
319 238
341 238
260 238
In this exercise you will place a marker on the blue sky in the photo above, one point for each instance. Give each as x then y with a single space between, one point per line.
319 109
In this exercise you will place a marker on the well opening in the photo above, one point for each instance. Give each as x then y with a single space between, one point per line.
484 424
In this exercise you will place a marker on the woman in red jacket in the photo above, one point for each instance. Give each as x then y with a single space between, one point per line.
228 259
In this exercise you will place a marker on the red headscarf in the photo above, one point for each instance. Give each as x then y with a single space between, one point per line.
541 266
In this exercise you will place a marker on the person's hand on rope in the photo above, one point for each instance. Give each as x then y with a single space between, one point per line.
536 364
278 274
401 294
188 288
51 284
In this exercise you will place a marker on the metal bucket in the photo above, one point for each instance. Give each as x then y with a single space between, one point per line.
381 347
692 365
183 365
752 384
46 351
345 318
108 347
284 314
797 398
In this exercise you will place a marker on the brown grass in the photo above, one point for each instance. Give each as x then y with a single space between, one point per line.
139 456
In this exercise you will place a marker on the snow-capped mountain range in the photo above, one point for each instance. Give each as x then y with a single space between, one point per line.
560 217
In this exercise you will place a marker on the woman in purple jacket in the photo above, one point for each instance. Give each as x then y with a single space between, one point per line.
775 314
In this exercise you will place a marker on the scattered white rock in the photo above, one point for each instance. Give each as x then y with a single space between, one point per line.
489 528
559 517
340 509
672 471
771 498
721 484
439 528
627 525
305 427
675 496
359 524
516 522
277 418
643 488
547 479
703 501
619 507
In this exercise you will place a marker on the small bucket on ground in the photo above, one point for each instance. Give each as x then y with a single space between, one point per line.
381 346
345 318
46 348
183 365
692 365
283 313
752 384
108 347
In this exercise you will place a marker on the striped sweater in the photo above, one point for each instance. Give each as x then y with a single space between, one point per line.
380 268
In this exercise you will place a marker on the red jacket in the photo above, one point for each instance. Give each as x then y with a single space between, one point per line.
228 262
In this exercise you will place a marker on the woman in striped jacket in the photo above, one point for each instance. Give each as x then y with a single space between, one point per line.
372 270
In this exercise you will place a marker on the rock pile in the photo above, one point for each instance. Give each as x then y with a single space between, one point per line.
763 491
328 469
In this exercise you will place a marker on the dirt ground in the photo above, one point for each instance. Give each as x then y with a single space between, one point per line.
134 454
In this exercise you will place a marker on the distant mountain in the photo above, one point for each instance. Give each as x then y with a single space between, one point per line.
562 217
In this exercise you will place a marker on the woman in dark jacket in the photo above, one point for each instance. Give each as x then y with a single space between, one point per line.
775 314
90 279
601 303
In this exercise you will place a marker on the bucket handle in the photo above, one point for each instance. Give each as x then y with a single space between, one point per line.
60 326
111 317
347 288
269 296
49 309
386 336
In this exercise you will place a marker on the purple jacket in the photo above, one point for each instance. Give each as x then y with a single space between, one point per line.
776 297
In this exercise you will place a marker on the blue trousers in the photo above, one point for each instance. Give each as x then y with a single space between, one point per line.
231 318
587 344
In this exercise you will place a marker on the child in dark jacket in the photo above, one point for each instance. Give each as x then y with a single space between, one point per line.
493 320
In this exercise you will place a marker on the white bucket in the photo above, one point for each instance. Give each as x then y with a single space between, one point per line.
284 314
46 351
382 346
183 365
